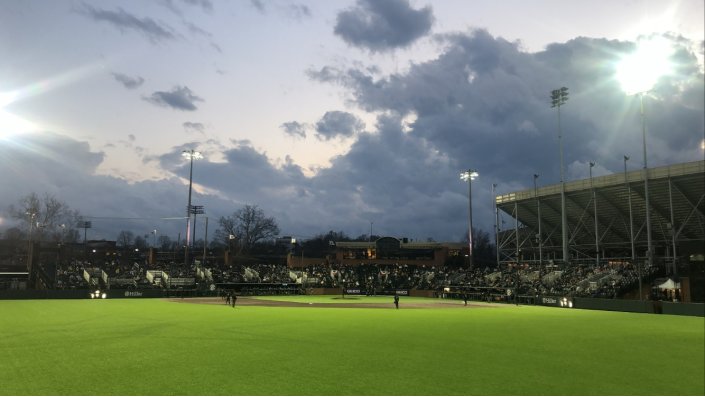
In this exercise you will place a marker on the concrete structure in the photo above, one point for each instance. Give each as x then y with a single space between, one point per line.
677 201
389 250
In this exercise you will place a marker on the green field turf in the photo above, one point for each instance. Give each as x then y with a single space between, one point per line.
156 347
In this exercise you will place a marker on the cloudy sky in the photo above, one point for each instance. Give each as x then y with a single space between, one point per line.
330 115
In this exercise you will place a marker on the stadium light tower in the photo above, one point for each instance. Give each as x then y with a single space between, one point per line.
538 217
638 73
191 155
496 221
631 226
594 207
560 97
468 176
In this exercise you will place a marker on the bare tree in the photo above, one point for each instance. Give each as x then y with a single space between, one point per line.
249 225
164 243
125 239
47 218
141 242
483 248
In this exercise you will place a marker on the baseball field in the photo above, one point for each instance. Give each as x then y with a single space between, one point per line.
326 345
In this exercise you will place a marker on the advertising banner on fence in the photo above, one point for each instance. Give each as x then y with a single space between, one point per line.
146 293
550 301
360 291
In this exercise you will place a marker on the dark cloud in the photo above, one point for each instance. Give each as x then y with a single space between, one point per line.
66 168
127 81
258 5
482 103
298 11
294 129
194 127
206 5
381 25
180 98
124 21
335 124
196 30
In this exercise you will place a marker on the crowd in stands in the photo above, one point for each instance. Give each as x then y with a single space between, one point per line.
583 280
577 280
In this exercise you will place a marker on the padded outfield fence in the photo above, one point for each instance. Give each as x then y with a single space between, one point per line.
490 295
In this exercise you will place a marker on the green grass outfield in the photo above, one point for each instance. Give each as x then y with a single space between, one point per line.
157 347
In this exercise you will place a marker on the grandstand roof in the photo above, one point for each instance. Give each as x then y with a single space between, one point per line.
676 194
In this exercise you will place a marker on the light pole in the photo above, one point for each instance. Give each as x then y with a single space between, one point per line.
468 176
30 247
649 241
195 210
558 98
205 244
594 209
496 221
631 226
538 216
191 155
61 241
638 73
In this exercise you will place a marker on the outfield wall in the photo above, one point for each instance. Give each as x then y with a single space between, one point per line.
615 305
683 309
44 294
635 306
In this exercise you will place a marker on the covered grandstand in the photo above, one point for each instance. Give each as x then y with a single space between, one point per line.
598 219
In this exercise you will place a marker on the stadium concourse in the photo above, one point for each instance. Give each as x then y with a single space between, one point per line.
598 211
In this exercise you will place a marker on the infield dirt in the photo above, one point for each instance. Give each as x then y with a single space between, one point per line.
246 301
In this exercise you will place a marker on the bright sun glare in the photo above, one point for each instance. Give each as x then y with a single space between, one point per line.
639 71
9 123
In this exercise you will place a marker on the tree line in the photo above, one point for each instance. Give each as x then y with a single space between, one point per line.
247 230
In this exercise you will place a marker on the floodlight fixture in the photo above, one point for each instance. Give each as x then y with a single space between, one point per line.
639 71
469 174
192 154
559 97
